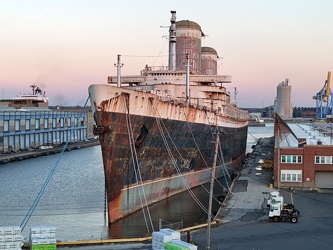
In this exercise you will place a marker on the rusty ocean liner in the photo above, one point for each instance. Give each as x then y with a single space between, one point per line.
157 129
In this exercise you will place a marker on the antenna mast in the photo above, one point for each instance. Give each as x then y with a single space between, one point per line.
118 65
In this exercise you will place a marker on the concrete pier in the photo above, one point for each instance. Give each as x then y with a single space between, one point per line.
247 200
33 153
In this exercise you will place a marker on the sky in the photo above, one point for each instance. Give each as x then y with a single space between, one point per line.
64 46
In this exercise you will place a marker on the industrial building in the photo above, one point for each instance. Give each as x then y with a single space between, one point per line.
26 122
303 155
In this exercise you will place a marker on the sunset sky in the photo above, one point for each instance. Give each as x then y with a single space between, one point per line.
64 46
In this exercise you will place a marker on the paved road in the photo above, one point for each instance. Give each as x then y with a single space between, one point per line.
313 230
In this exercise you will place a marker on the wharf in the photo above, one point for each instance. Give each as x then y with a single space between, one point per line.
33 153
247 200
248 196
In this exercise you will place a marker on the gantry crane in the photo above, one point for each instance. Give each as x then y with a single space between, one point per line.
324 100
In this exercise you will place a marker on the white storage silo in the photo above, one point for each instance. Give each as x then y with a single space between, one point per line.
283 100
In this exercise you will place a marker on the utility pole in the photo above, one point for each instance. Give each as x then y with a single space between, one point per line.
209 220
279 159
187 94
329 120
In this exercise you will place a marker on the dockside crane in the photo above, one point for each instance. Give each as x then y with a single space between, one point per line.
324 100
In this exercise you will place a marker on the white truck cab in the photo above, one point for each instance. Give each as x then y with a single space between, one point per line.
275 210
271 197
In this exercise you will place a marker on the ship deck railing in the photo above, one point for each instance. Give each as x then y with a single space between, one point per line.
227 110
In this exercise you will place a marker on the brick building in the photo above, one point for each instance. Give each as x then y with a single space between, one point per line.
303 155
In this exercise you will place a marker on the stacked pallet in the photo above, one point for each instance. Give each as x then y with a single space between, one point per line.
170 239
179 245
159 239
11 238
42 238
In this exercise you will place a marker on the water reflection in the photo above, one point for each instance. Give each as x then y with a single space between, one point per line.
181 208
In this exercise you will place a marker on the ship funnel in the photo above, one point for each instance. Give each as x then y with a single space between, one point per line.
172 41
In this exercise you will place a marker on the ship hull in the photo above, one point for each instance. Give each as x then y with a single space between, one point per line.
134 198
154 149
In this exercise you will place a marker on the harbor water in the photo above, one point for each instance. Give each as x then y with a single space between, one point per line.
74 199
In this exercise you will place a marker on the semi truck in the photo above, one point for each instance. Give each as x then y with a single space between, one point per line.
282 212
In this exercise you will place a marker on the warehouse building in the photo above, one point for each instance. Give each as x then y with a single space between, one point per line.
303 155
26 122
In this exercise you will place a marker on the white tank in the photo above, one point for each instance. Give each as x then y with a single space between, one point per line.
283 100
